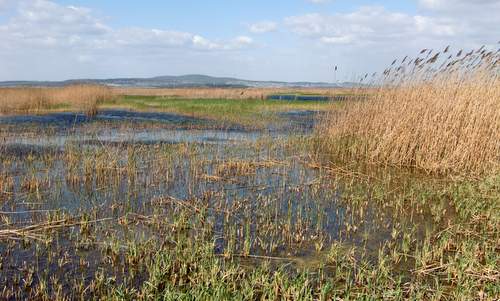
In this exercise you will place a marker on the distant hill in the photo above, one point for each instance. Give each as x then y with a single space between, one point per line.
183 81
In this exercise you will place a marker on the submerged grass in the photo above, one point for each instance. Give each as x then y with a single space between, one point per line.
257 221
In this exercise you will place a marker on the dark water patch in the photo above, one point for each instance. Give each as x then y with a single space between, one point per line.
57 119
74 119
302 121
64 121
124 115
18 150
125 137
294 97
298 97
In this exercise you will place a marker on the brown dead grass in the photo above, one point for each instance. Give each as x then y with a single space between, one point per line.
439 115
85 98
223 93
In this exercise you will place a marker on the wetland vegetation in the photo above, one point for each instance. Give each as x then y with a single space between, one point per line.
392 197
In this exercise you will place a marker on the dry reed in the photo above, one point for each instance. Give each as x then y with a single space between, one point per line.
84 98
224 93
438 114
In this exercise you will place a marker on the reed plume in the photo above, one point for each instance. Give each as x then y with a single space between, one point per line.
85 98
442 119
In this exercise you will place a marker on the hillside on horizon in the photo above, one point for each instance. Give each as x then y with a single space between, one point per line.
182 81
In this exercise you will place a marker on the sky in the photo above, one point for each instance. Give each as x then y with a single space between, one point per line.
286 40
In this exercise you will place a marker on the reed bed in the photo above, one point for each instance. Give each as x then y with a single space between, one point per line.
439 112
84 98
223 93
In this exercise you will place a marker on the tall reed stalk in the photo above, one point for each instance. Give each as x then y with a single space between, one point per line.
84 98
439 112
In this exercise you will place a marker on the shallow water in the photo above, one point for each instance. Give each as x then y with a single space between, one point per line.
70 128
130 136
74 119
252 186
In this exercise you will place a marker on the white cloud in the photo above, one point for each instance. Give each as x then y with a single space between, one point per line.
237 43
41 39
43 23
370 38
141 37
203 43
451 5
366 25
337 40
477 18
242 41
319 1
377 25
263 27
4 4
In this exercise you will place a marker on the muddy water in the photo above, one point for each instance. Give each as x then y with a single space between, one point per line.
252 191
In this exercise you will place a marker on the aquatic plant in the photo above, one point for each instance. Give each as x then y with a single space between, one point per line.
85 98
438 112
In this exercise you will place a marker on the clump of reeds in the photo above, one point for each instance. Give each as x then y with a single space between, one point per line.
85 98
225 93
439 112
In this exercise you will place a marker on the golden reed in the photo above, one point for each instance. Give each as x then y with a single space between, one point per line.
223 93
85 98
439 112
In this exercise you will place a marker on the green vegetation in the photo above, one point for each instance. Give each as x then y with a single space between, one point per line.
457 262
385 200
246 112
257 220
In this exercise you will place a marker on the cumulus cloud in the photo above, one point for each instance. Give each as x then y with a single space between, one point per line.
263 27
242 41
346 39
377 25
318 1
239 42
367 24
478 18
369 38
447 5
43 23
41 39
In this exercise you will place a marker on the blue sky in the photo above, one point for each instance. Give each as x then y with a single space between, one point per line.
291 40
215 17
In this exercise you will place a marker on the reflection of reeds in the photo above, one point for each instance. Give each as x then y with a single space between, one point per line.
32 100
441 115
